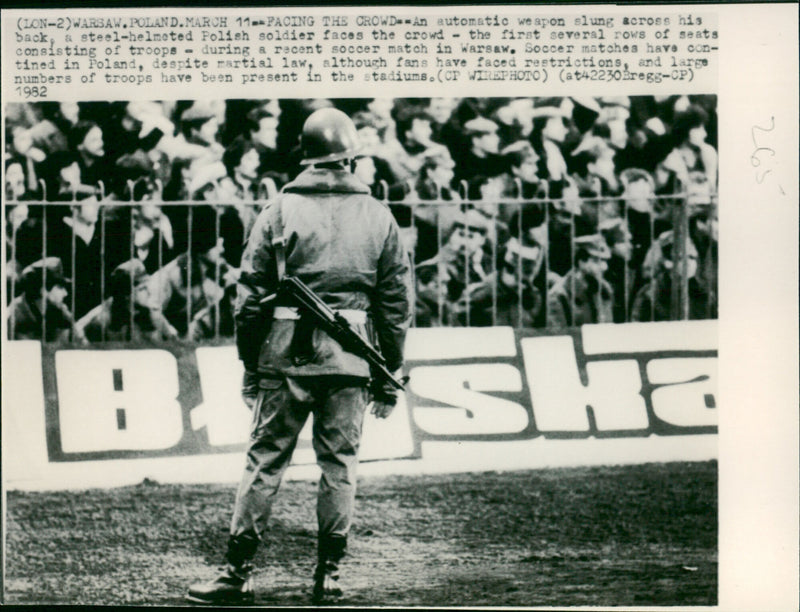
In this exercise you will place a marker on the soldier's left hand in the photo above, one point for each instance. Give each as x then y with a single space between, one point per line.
381 409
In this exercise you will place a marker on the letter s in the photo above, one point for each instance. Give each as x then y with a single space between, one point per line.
467 411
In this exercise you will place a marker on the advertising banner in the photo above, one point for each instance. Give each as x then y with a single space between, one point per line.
494 391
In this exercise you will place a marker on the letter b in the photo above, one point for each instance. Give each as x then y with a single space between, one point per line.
118 400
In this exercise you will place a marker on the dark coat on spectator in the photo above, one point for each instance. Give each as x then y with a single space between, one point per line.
25 321
577 300
85 285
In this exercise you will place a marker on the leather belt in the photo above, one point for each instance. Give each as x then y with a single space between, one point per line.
355 317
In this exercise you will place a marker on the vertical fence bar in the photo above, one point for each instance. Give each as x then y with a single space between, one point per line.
189 289
653 271
73 249
625 267
546 204
573 271
44 258
131 253
439 295
684 258
216 306
12 291
464 190
103 237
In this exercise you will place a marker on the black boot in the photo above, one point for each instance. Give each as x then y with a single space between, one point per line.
326 577
234 585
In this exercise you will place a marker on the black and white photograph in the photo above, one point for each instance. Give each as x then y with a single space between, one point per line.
388 308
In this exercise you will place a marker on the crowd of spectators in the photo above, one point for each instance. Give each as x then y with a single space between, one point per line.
531 212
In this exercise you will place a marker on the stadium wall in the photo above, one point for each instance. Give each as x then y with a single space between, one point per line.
478 399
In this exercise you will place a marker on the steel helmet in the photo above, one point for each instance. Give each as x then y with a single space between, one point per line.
328 135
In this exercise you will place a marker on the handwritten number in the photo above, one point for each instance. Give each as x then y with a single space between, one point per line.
755 160
760 178
758 127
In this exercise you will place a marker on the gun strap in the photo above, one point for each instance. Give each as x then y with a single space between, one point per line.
279 240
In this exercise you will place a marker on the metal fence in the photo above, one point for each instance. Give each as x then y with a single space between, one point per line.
443 298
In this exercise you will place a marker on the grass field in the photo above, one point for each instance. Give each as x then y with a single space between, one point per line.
631 535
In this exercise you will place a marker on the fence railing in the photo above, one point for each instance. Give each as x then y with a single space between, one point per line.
513 261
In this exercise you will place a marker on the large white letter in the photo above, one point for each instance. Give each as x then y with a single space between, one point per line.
474 413
223 411
118 400
559 398
691 402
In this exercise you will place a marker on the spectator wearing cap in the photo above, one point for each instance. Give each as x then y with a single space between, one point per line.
372 136
689 135
514 119
194 279
646 217
198 130
482 155
211 183
16 188
134 178
485 194
612 122
583 295
520 278
703 232
383 109
548 137
593 167
414 131
563 223
522 180
263 133
125 315
31 157
654 301
452 283
440 110
39 313
200 124
433 185
239 115
58 118
241 161
597 182
619 274
76 240
142 232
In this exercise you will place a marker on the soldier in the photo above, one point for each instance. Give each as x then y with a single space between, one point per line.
346 247
583 295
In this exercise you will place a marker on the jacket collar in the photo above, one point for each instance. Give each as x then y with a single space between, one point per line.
325 180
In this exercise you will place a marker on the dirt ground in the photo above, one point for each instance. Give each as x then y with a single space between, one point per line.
626 536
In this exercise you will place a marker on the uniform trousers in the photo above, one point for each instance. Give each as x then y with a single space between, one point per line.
282 407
